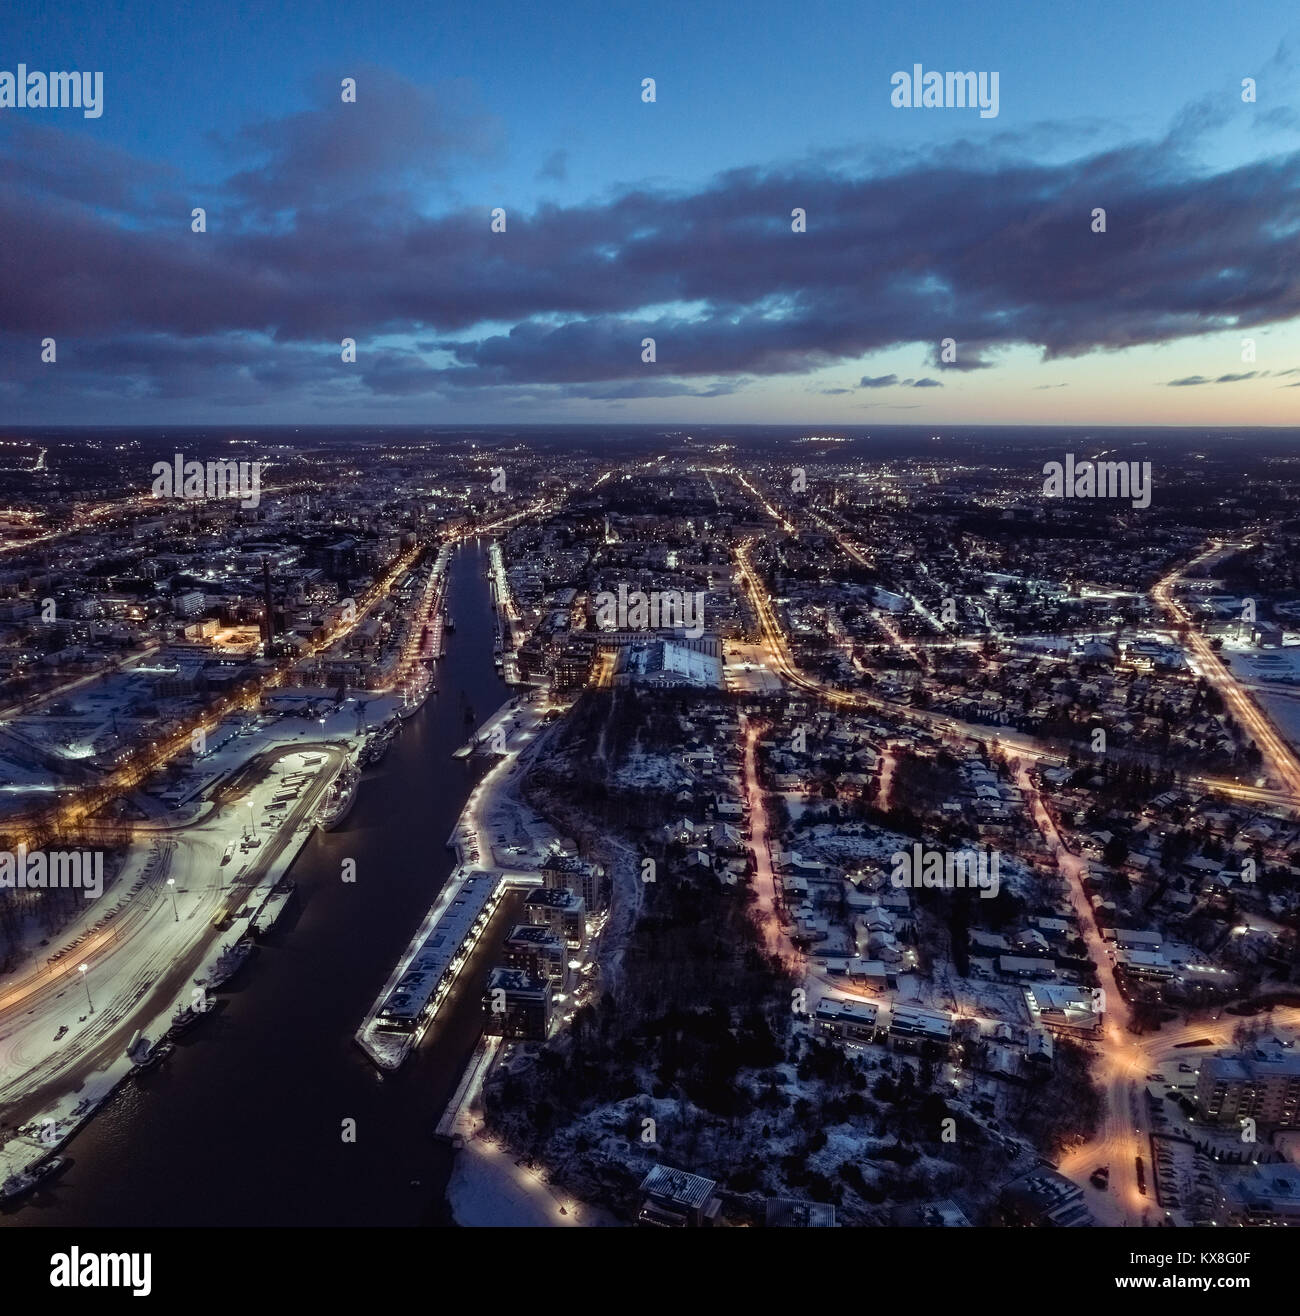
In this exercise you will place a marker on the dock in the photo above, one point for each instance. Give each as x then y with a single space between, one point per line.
458 1120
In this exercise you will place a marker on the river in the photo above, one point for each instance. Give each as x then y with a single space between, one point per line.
243 1125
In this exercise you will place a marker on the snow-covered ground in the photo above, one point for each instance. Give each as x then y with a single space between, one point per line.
1273 676
489 1190
188 889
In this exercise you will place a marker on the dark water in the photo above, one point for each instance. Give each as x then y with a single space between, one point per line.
242 1125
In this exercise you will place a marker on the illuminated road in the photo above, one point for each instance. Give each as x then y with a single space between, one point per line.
141 958
778 654
760 846
1280 761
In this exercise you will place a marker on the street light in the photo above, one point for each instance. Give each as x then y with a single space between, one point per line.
171 882
85 982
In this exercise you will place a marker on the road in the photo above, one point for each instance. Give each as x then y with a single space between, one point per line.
1280 761
140 960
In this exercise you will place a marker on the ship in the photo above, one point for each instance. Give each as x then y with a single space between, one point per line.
26 1181
447 623
339 799
183 1020
154 1057
276 903
376 746
229 963
412 705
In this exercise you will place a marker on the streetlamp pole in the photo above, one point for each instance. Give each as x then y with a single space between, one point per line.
171 882
85 982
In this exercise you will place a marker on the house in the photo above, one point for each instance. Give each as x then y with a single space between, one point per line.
849 1021
674 1199
791 1213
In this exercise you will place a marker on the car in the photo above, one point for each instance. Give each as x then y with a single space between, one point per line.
63 1028
1185 1068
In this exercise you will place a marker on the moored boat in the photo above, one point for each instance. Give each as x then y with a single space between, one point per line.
26 1181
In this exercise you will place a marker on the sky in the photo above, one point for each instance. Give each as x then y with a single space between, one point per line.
628 219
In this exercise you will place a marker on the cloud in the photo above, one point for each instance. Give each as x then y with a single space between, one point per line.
315 234
1191 380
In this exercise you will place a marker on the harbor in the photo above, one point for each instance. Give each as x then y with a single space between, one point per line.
291 1016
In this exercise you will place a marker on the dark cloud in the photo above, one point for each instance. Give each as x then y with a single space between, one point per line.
316 235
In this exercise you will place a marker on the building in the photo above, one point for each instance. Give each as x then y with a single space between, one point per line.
561 869
1267 1195
674 1199
791 1213
849 1021
910 1026
536 950
417 994
662 663
563 911
572 668
1025 966
1043 1199
1062 1008
1263 1085
517 1005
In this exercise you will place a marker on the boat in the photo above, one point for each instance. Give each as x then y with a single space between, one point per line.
184 1020
277 902
154 1057
28 1180
229 963
339 799
413 705
377 745
447 623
